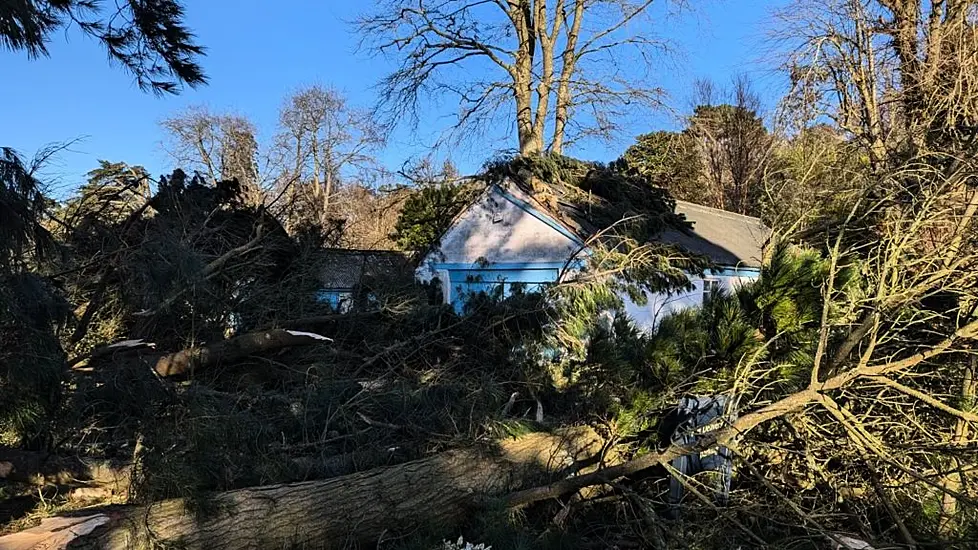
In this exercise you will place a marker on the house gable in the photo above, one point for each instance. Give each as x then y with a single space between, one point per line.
502 227
501 238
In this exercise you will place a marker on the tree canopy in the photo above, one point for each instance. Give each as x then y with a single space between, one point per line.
148 37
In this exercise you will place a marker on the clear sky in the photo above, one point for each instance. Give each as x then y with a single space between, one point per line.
260 51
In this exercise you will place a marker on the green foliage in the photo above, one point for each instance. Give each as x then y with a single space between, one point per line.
116 188
31 309
203 266
763 336
786 304
428 213
718 160
31 359
113 192
148 38
23 204
601 196
668 160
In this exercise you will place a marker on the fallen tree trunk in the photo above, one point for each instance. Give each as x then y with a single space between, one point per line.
197 357
233 349
353 509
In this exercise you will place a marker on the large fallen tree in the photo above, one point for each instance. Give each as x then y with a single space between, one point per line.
437 491
359 508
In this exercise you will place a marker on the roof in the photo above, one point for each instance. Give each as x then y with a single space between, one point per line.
344 269
727 238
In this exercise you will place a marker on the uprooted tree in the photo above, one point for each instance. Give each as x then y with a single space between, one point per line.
813 353
177 348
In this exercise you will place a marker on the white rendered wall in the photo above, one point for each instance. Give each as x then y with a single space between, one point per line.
660 305
496 229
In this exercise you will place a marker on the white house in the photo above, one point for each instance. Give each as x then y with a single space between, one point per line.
506 236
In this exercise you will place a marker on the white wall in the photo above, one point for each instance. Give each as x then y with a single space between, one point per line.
663 304
497 230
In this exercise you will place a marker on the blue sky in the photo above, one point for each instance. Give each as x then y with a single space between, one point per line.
260 51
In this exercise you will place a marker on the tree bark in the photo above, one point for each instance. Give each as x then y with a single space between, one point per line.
524 22
187 360
569 64
340 512
956 480
115 477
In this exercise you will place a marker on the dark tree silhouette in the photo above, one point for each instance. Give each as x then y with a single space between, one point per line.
148 37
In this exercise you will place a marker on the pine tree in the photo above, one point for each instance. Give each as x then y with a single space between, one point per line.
148 37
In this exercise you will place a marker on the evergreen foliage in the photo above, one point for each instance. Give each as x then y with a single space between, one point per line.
23 236
668 160
31 309
429 211
603 196
147 37
113 192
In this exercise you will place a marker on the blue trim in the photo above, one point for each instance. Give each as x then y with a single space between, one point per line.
735 272
334 297
529 209
482 276
505 266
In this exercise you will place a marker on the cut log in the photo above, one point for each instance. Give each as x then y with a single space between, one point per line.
355 509
239 347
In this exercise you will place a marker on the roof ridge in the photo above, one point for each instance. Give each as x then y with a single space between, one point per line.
539 206
719 211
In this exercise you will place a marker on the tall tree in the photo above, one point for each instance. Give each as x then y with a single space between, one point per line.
573 66
148 37
436 196
733 144
220 146
113 192
323 142
720 158
670 160
898 75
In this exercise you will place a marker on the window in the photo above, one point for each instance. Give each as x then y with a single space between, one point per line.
710 287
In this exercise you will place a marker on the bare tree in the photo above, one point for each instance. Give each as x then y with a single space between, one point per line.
570 65
324 142
733 144
219 146
897 75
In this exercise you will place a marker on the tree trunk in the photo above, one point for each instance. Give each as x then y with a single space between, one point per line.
524 22
956 480
569 62
361 508
187 360
115 477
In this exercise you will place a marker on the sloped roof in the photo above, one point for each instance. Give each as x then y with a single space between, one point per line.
728 239
344 269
